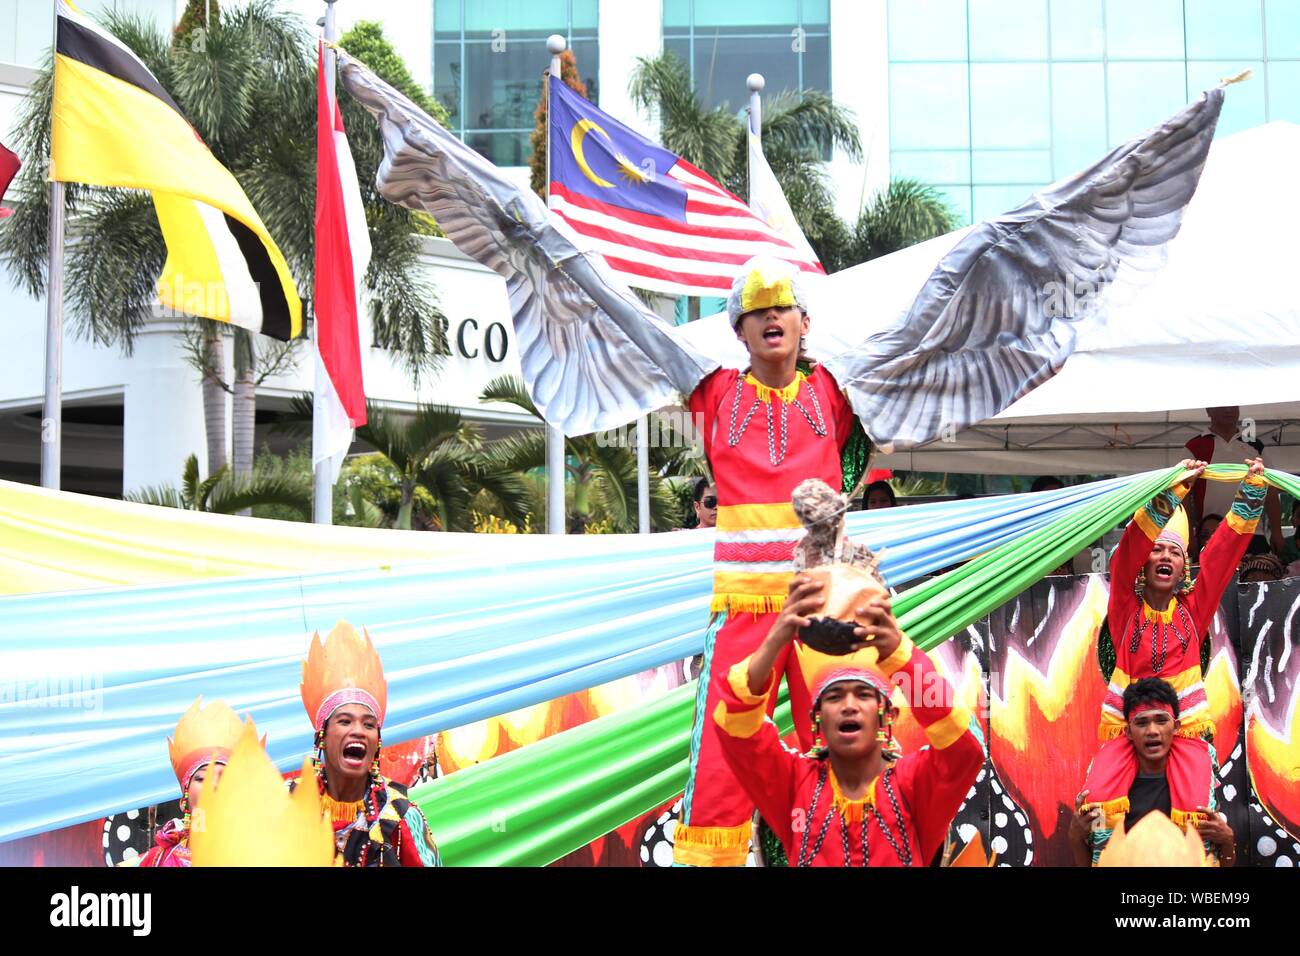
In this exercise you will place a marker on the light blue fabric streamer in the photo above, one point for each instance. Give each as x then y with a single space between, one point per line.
91 682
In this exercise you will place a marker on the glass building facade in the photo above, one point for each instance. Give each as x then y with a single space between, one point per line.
991 99
724 41
488 60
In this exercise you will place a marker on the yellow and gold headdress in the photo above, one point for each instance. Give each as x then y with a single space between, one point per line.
764 282
345 669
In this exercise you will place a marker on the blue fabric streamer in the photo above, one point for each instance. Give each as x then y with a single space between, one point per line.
94 681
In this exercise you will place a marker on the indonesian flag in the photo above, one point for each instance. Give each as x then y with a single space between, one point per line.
342 254
9 164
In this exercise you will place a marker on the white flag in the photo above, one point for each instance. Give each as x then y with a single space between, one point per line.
768 201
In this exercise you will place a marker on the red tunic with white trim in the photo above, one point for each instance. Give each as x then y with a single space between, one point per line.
761 443
907 809
1167 644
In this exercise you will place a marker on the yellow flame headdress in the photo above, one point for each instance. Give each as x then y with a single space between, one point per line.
251 819
203 735
345 669
1155 840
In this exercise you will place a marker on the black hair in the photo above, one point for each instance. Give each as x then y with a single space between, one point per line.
884 486
1046 483
701 485
1201 524
1149 688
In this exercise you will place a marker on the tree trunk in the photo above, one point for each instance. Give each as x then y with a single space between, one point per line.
245 407
214 397
404 508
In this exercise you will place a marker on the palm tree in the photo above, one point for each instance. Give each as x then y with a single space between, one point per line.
224 493
437 458
799 130
247 83
602 472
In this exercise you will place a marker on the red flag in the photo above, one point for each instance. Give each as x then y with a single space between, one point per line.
342 254
9 165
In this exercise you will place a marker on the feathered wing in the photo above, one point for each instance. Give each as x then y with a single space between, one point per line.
593 355
988 325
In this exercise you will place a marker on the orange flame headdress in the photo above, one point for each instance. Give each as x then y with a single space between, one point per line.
345 669
204 735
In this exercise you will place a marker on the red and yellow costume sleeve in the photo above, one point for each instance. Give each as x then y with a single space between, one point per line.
934 780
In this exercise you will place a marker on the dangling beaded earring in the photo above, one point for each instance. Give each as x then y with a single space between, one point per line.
374 765
1140 583
317 760
819 745
881 725
185 811
1185 585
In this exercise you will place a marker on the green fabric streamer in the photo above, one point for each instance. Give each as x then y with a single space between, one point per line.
536 804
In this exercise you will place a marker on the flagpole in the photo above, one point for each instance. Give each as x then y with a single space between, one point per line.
555 45
52 410
322 498
52 414
755 82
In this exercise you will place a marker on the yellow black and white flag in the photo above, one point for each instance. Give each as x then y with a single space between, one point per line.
113 124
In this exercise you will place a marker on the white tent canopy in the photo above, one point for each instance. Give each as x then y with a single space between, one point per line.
1219 325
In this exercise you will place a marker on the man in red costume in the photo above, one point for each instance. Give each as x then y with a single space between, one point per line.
1151 712
1158 621
766 429
853 801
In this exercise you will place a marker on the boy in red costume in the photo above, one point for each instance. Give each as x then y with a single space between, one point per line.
1158 621
852 801
765 431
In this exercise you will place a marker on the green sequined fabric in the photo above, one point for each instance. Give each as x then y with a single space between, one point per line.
1106 651
773 852
855 457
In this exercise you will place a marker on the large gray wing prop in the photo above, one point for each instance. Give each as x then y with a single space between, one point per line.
593 356
988 325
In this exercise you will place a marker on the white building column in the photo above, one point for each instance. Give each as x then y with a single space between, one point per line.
627 31
860 81
162 411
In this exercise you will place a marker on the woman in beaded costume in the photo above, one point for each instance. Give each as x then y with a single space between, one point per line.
1159 623
346 695
199 749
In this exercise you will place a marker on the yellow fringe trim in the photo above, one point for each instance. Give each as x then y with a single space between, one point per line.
339 811
1112 810
765 392
1187 818
747 603
711 846
851 810
1165 616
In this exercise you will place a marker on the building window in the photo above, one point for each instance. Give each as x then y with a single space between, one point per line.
488 60
990 100
722 41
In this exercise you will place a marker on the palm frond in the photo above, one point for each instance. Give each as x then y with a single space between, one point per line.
509 389
232 494
190 480
161 496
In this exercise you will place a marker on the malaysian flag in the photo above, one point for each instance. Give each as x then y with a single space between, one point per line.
661 223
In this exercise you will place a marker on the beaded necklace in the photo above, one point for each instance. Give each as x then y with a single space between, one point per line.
903 852
1159 653
734 435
